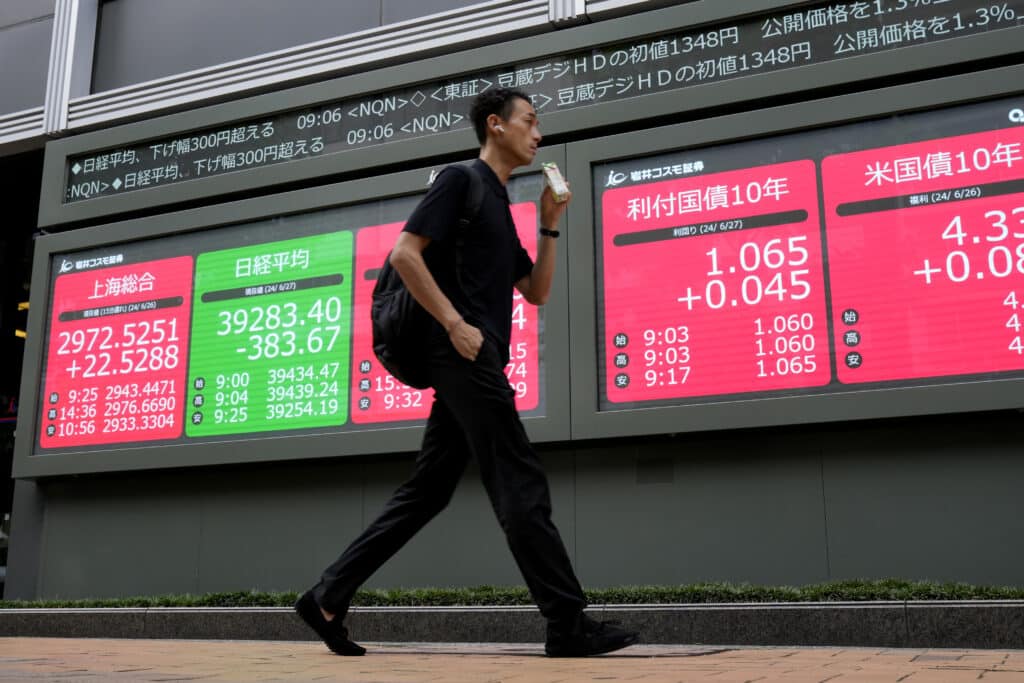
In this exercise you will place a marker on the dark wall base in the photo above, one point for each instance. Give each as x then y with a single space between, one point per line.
876 624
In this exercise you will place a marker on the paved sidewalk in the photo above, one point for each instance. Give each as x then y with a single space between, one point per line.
68 659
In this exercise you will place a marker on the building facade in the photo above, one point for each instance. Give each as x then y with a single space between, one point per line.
784 344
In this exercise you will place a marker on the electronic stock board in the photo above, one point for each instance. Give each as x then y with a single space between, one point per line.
246 330
722 284
843 266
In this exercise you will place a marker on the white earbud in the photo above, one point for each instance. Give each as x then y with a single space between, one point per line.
499 128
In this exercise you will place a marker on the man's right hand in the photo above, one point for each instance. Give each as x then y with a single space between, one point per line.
466 339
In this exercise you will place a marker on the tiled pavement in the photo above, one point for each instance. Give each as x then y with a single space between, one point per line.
60 659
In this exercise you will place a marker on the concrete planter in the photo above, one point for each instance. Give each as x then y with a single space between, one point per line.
967 624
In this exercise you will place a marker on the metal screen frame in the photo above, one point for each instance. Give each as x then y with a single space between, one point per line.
553 426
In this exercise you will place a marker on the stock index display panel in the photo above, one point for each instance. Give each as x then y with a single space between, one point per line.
244 331
883 254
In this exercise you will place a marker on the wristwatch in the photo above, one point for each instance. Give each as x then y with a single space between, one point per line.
549 233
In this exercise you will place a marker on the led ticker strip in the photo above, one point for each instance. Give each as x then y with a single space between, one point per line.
720 279
734 48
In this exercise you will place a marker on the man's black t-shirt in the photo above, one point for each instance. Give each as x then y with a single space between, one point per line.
493 259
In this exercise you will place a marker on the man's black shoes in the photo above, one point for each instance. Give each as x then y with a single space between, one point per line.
585 637
334 635
588 637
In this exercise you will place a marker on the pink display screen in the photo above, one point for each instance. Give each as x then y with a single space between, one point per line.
115 366
885 253
926 254
714 285
378 397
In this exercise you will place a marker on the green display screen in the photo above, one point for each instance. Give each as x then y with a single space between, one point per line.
270 323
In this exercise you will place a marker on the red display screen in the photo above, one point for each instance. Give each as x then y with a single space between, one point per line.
719 277
926 255
714 285
377 396
523 369
115 367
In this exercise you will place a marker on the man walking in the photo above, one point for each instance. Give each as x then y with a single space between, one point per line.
474 413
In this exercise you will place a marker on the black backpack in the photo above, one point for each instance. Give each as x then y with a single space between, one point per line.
400 325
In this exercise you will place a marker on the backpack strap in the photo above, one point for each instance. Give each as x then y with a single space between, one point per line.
474 196
470 208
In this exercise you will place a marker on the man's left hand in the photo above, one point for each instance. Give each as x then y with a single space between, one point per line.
550 210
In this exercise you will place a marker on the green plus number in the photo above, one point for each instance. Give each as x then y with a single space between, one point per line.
270 337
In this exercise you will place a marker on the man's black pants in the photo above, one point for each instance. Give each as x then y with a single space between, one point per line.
474 414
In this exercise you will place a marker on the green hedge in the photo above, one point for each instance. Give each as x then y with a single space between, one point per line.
836 591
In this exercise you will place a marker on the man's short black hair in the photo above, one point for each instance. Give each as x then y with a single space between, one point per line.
500 101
